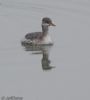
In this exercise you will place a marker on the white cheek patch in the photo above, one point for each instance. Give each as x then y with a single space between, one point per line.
45 24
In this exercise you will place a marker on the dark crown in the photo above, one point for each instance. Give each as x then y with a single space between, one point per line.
47 20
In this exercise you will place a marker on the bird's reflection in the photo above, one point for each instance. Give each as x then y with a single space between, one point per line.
44 50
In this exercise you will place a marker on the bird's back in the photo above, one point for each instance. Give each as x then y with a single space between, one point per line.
34 35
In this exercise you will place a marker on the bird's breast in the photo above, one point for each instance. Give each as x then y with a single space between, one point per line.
46 39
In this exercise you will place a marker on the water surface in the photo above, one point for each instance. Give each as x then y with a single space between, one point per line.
21 72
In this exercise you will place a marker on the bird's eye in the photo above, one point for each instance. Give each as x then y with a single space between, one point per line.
47 22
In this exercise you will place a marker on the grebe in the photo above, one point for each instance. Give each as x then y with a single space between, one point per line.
40 37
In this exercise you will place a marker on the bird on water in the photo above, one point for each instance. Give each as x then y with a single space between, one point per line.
40 38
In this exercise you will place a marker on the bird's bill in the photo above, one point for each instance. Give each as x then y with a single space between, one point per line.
52 24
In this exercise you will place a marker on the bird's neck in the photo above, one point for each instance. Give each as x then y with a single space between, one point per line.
45 29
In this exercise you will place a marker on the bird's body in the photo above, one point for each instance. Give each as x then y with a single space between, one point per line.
34 35
40 37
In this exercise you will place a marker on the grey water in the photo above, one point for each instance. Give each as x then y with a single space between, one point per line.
63 72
